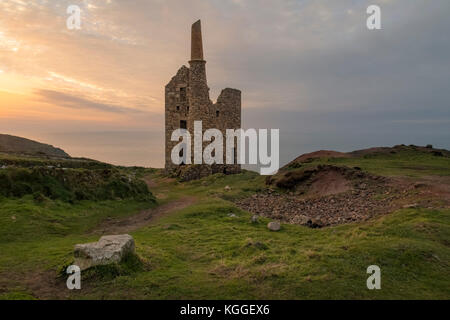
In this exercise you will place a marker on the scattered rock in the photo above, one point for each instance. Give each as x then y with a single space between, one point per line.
232 215
254 219
360 203
227 188
410 206
13 218
109 249
274 226
314 223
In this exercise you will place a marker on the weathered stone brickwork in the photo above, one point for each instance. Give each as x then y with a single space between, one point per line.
187 100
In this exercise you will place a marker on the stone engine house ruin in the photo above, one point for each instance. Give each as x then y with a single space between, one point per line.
187 100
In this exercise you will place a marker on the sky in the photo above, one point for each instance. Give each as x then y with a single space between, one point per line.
309 68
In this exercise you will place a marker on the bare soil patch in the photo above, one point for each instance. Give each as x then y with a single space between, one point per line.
328 183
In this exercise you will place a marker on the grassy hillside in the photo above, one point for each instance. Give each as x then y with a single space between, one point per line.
398 161
15 144
211 250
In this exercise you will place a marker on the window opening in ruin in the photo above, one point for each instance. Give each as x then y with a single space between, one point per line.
183 93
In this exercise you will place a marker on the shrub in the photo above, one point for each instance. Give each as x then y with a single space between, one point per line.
72 184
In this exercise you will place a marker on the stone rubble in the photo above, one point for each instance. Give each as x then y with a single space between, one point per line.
362 202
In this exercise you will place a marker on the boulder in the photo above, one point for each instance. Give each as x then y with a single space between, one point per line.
274 226
109 249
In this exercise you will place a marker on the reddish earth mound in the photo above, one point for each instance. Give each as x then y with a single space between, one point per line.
325 195
321 180
329 182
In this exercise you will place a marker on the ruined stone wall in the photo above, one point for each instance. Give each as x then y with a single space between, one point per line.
176 109
187 100
227 113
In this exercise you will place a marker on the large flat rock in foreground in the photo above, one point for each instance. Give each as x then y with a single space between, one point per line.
109 249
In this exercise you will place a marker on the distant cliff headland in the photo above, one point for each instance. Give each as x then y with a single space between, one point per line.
18 145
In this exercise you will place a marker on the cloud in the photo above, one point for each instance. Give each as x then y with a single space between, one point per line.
75 102
310 68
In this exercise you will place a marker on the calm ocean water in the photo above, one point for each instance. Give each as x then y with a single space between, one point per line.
128 148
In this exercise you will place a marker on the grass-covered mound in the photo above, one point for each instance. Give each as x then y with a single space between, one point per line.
30 161
400 160
72 184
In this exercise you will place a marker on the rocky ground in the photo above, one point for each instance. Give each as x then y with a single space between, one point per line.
332 195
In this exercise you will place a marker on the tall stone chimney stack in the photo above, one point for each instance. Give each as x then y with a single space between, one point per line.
196 41
199 91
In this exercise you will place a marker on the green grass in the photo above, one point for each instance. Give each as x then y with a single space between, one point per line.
202 253
206 254
9 159
71 185
403 163
25 220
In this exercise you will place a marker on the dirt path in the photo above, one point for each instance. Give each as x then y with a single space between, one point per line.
143 218
151 183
